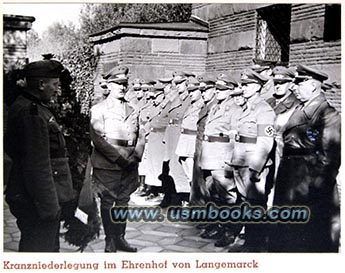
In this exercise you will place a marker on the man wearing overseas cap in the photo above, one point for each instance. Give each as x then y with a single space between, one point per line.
40 180
198 193
216 149
118 148
186 144
179 102
308 170
254 124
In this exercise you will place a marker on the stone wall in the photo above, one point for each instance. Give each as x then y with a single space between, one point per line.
232 39
153 52
14 40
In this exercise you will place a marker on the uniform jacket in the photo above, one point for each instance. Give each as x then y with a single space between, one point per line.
214 154
313 131
111 120
40 176
256 121
307 176
186 144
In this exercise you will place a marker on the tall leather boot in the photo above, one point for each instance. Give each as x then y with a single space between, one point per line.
108 227
120 241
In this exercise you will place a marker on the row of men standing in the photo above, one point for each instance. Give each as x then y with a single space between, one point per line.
217 140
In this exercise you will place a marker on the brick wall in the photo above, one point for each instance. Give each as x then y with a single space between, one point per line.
152 53
232 34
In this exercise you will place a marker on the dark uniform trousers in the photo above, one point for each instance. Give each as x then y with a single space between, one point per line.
40 179
114 132
122 182
307 177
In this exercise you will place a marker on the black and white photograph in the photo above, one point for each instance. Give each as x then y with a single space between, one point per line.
171 136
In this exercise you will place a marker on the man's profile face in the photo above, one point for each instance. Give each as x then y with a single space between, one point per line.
208 94
281 88
50 89
305 90
250 89
117 90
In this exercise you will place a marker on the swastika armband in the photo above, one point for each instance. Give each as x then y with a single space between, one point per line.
266 130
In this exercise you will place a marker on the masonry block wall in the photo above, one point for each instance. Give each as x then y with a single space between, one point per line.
308 40
232 32
152 53
232 39
14 40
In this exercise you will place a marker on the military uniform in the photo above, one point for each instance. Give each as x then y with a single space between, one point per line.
283 106
177 107
40 179
118 147
199 194
186 144
155 145
254 124
307 174
216 138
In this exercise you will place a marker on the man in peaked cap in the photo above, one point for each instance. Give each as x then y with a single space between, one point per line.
254 124
222 189
199 194
308 170
283 103
40 180
186 144
118 148
155 129
175 109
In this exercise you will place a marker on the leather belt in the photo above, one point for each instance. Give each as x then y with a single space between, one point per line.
188 132
156 130
174 121
244 139
121 142
217 138
299 152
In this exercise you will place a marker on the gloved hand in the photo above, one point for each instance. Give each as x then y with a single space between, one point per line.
254 176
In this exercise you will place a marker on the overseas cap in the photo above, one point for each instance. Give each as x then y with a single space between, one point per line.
305 72
118 74
44 69
250 76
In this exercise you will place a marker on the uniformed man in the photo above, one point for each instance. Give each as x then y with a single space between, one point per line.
40 179
254 124
216 149
308 170
186 144
155 146
265 68
118 147
142 105
283 103
179 102
199 195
